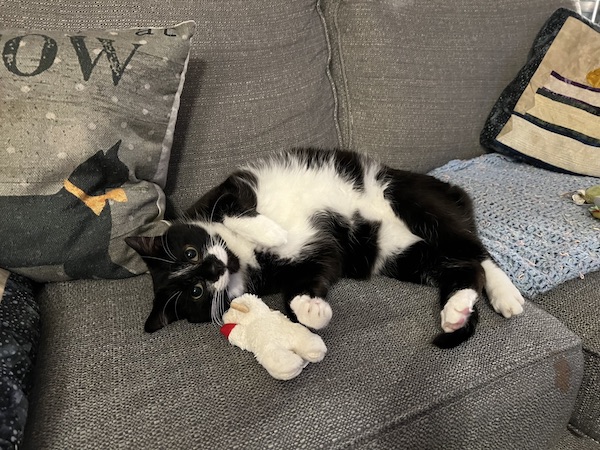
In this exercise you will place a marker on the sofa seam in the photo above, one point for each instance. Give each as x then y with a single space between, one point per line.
371 437
346 94
576 413
576 430
334 90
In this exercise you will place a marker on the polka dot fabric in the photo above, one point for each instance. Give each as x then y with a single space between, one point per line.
88 119
19 336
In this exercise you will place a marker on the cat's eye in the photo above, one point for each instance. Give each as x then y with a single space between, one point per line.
197 291
191 254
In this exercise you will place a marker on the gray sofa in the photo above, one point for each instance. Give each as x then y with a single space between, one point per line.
410 82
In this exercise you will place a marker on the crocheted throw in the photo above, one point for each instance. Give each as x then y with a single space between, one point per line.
531 228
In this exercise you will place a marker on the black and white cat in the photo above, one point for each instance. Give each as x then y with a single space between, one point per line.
298 221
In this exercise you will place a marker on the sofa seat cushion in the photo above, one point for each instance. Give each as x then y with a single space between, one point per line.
576 303
101 379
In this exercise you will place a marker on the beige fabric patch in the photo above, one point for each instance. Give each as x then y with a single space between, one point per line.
556 120
4 274
574 53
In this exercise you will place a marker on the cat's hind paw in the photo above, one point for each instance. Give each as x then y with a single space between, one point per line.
504 297
507 301
313 312
458 309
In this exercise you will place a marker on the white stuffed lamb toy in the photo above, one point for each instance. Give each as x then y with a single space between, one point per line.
281 346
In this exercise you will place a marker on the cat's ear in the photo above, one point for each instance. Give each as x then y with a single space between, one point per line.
145 245
163 313
155 321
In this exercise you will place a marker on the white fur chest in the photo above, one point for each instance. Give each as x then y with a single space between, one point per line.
291 195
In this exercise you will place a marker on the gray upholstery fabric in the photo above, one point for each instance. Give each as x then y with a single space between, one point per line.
102 383
257 79
414 82
576 303
417 79
571 440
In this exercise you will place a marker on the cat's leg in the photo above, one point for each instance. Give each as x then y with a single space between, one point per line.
460 280
233 203
504 297
305 286
461 285
257 228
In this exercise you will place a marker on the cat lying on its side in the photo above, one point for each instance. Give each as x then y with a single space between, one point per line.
298 221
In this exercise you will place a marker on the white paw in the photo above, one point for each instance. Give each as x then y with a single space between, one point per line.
457 310
237 285
313 312
504 297
273 236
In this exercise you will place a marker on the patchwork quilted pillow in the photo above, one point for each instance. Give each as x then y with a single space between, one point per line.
549 115
86 128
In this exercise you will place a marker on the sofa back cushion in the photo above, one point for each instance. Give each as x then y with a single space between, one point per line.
412 81
259 82
416 79
257 79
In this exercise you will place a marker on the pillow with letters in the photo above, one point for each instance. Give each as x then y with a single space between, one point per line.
549 115
86 128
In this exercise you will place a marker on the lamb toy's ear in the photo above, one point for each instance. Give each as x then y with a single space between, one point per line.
240 307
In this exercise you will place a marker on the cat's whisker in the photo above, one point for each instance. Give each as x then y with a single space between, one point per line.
158 259
177 301
183 216
218 308
163 316
212 213
165 244
247 211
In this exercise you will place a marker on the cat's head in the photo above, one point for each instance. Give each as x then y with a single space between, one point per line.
191 270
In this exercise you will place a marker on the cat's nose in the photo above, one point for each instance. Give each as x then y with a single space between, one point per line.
213 268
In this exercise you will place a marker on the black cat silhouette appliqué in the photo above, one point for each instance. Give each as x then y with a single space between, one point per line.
71 228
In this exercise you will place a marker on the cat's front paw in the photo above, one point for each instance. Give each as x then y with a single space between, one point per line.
258 229
458 309
273 236
313 312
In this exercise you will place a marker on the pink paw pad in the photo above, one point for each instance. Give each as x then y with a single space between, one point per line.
457 310
459 323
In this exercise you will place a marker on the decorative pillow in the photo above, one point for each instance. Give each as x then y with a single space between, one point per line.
535 232
19 337
550 113
86 129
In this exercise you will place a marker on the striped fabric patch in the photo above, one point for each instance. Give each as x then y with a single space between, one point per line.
560 128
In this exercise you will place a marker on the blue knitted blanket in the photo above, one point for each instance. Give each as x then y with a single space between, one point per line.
530 227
